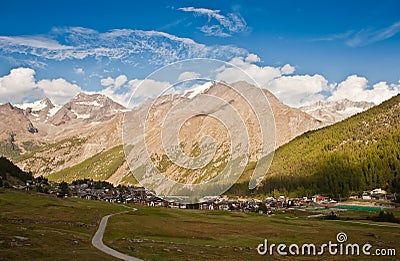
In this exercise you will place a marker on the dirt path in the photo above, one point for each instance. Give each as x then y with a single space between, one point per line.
97 240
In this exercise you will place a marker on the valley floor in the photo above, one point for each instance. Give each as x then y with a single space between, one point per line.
40 227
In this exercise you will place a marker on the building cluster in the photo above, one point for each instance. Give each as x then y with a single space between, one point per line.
94 190
378 194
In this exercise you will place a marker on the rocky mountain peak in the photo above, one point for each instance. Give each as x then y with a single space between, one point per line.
14 120
39 111
7 105
89 107
48 102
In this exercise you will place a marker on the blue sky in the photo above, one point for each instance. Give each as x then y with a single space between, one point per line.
333 39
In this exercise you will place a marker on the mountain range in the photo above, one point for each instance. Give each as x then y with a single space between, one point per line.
82 139
330 112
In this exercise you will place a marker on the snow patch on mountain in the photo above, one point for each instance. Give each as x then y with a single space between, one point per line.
89 103
54 110
35 106
198 90
40 110
331 112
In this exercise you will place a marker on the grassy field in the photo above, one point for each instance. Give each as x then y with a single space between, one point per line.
171 234
39 227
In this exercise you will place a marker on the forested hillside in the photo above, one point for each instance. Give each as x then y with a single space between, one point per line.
362 152
11 174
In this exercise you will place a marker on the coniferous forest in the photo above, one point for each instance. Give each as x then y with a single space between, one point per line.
360 153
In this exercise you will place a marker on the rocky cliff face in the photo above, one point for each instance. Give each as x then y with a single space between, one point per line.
61 137
14 120
17 132
86 108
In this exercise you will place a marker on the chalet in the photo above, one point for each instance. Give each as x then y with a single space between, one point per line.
153 201
318 198
223 205
378 194
207 205
112 199
366 195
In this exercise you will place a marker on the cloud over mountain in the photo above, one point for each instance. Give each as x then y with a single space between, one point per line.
299 90
356 88
21 85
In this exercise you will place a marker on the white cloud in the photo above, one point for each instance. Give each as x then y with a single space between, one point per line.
218 24
261 74
149 88
79 71
350 88
287 69
334 37
365 36
356 88
299 90
138 89
121 98
188 75
120 80
59 91
33 42
107 81
20 85
114 83
126 45
293 90
252 58
112 89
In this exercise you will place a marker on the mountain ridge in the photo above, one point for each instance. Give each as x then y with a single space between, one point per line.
331 112
93 107
90 124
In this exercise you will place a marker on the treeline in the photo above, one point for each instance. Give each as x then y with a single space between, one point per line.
11 174
358 154
98 184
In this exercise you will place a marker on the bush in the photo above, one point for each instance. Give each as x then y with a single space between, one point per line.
64 189
385 216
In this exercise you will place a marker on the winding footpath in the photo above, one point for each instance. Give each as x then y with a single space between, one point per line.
97 240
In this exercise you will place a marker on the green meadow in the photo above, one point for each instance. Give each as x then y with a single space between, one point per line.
175 234
40 227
